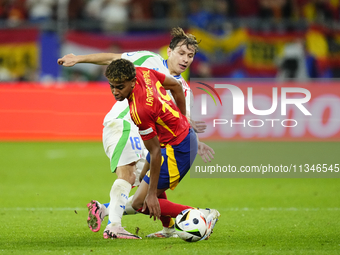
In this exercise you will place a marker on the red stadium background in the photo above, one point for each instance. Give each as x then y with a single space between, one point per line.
75 111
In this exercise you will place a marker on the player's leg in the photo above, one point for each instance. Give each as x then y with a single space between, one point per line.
167 222
122 185
141 168
189 146
98 211
118 198
120 191
168 225
169 177
177 160
168 208
123 146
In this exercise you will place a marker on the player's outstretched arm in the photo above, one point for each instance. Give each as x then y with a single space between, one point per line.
151 200
97 58
170 83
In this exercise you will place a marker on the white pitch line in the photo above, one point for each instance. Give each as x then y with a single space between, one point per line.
282 209
221 209
44 209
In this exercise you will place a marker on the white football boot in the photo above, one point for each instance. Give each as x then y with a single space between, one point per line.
118 232
164 233
211 216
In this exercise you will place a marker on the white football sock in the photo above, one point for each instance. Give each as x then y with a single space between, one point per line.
128 208
118 198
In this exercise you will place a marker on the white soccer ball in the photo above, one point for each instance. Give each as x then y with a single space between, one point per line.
190 225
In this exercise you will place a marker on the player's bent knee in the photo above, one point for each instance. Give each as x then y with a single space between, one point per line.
127 173
132 178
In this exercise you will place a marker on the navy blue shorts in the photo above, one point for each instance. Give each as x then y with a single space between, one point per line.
176 162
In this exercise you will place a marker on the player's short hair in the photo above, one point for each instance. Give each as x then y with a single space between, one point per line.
179 36
120 70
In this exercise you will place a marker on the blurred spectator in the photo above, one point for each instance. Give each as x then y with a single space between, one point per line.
160 9
3 9
200 67
319 10
30 74
177 9
41 10
93 9
197 15
5 75
203 70
115 14
140 10
277 9
218 23
112 13
292 64
16 12
246 8
77 75
76 9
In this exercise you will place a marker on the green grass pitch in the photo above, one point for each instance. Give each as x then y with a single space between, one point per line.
45 187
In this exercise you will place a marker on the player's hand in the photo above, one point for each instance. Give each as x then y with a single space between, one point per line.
151 202
68 60
198 126
205 152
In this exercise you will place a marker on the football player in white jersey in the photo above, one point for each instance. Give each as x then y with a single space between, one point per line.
124 162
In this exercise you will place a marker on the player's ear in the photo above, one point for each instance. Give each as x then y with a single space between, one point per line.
168 51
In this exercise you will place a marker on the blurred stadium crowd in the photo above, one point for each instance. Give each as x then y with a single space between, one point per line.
205 14
282 39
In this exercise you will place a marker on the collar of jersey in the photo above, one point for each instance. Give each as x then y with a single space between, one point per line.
165 63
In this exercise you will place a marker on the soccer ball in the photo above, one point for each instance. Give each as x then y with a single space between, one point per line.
190 225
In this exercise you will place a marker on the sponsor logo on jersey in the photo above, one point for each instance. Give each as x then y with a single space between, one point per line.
131 53
149 91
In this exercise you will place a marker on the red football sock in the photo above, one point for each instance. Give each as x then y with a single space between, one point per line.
166 220
171 209
163 195
168 208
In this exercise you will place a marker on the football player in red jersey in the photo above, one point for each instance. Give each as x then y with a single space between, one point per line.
166 133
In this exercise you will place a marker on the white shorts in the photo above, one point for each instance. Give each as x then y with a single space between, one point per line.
122 143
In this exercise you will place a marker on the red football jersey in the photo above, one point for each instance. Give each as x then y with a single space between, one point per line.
153 111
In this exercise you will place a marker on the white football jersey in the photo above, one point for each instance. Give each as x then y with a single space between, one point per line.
120 110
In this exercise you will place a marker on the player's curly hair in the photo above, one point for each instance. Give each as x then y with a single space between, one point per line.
178 35
120 70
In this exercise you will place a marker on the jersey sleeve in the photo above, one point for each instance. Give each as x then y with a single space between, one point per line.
133 56
147 128
146 59
189 96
